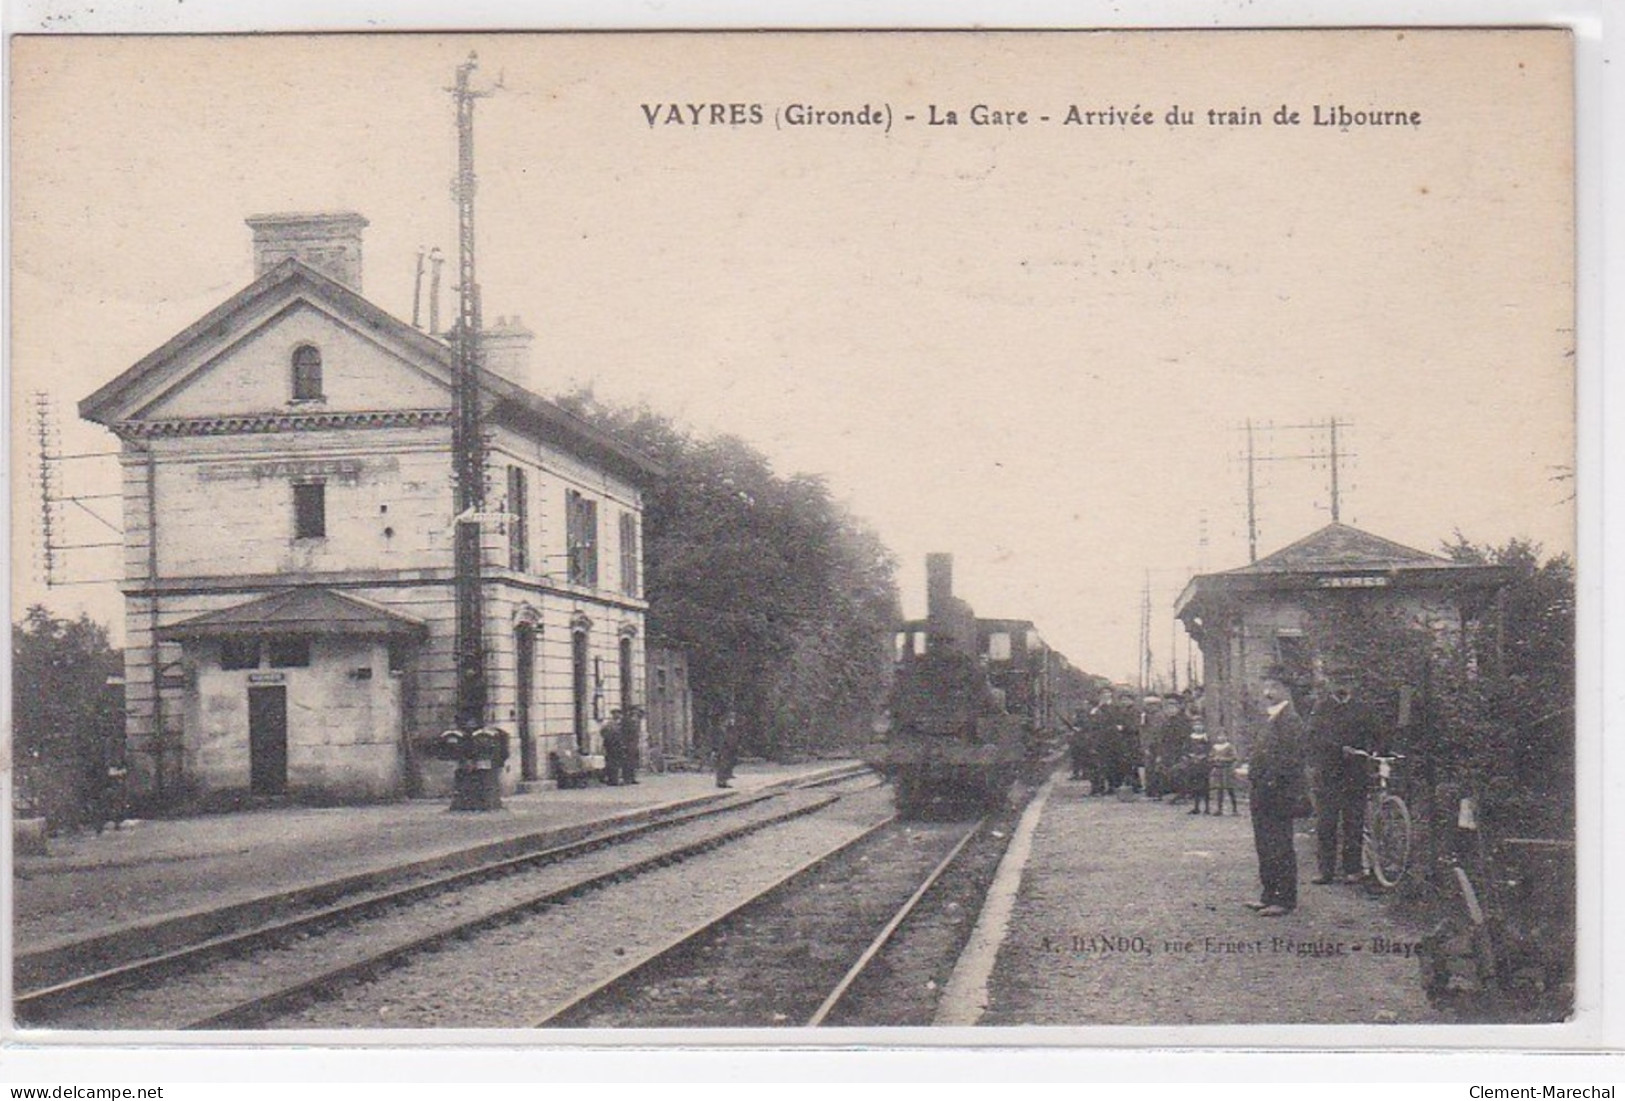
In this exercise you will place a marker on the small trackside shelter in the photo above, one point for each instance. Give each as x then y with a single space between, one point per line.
324 707
1249 619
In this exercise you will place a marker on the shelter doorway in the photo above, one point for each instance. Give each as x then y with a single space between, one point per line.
268 740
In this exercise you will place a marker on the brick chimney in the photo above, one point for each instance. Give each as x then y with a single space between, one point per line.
505 349
329 242
939 586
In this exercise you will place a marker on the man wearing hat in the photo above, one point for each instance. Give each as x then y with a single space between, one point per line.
1280 793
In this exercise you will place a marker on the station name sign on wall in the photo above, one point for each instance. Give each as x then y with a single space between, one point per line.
341 470
1353 582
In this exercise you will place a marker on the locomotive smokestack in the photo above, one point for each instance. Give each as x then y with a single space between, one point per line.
939 586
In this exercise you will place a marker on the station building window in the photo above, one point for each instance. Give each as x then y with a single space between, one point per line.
239 653
307 373
289 653
310 510
581 534
629 554
518 514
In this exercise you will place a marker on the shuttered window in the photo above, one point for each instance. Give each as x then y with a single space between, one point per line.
629 554
518 520
581 533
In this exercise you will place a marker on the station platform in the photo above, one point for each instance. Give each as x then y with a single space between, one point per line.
153 874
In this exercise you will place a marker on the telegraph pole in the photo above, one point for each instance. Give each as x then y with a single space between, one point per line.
1333 456
468 440
1146 667
53 495
1252 500
479 751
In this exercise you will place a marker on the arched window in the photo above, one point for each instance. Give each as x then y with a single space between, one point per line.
307 373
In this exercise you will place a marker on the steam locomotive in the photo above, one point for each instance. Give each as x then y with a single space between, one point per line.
973 701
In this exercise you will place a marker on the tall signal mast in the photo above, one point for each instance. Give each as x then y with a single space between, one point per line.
468 434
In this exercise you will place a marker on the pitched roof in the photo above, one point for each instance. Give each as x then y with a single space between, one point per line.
290 277
1338 556
303 611
1340 547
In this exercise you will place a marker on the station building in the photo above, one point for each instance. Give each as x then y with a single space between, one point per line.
289 514
1264 614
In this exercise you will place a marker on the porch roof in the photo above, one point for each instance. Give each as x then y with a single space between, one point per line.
302 611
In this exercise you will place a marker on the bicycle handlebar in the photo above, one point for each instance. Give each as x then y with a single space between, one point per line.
1353 751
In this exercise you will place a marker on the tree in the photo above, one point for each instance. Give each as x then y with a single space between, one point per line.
1518 722
67 718
1493 706
783 601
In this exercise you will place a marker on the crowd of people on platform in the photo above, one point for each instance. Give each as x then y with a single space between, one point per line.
1153 746
1297 766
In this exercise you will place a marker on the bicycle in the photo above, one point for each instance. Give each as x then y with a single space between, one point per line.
1385 834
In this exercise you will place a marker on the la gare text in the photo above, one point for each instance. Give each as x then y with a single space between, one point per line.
880 116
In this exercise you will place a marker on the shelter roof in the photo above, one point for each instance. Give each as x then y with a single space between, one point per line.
302 611
1337 556
1339 547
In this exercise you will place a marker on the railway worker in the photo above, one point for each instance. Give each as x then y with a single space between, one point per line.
1125 742
1338 720
614 738
631 744
728 735
1280 793
1097 730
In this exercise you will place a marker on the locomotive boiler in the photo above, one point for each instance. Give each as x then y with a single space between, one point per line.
970 703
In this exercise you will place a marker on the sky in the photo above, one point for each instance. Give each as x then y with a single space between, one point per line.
1033 346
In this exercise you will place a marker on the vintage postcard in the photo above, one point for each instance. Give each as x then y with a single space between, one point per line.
1052 537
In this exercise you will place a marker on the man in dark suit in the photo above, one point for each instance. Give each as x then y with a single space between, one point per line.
1339 719
1279 792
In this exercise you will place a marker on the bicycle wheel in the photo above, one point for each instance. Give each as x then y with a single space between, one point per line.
1390 840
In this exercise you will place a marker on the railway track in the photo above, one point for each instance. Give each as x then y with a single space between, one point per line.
786 957
305 958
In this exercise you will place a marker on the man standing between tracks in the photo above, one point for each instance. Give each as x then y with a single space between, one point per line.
728 735
1279 793
1338 720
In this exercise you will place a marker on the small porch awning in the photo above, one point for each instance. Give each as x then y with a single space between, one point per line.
306 611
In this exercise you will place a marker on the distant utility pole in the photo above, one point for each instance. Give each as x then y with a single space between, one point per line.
1252 499
1146 673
